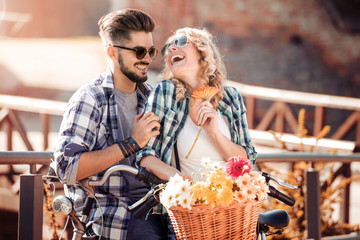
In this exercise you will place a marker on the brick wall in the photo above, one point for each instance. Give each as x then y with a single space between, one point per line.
54 19
282 44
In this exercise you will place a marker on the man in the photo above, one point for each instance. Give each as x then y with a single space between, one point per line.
103 125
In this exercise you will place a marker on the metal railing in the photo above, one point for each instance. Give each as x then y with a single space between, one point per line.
11 105
279 113
31 189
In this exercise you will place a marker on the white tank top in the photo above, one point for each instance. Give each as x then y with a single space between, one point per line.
203 147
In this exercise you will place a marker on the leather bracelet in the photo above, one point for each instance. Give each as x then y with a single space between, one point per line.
128 147
134 143
124 149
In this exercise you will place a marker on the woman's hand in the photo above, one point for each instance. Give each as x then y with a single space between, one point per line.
208 117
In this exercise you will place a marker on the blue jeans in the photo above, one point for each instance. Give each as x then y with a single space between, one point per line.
152 227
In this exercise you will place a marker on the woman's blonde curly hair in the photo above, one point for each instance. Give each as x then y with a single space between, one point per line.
213 69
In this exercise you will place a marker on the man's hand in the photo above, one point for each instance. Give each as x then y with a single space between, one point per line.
145 127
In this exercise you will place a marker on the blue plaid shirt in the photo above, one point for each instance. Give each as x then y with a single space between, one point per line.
173 113
90 123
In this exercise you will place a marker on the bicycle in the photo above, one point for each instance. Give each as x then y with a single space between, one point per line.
63 204
277 219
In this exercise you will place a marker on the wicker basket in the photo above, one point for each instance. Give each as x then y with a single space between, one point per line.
237 221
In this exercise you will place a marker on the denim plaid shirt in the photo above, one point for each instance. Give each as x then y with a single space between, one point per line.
173 113
90 123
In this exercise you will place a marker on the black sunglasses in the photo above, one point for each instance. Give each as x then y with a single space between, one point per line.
141 51
178 42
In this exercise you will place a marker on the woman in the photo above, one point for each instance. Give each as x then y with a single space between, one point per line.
192 61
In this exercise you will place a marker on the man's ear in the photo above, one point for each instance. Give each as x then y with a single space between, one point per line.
111 52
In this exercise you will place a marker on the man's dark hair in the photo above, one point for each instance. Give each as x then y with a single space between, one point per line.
117 26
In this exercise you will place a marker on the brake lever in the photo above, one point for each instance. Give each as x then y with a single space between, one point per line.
284 184
144 198
141 200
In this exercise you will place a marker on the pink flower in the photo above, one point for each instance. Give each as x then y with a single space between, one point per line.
262 192
237 166
244 181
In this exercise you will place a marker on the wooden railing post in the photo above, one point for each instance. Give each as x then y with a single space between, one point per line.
312 204
346 204
9 135
250 114
318 119
45 129
279 118
31 207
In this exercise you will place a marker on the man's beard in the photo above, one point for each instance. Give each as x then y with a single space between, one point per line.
129 74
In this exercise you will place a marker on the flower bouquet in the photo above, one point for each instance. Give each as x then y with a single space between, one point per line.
223 204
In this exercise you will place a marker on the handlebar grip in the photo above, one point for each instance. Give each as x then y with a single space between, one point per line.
145 207
146 176
154 179
281 196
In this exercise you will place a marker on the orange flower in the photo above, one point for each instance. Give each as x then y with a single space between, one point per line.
205 93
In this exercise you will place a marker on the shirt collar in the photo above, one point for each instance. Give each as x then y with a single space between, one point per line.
143 89
108 79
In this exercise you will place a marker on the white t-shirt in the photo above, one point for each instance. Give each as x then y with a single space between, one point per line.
203 148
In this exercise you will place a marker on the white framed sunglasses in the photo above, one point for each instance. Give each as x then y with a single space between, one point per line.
178 42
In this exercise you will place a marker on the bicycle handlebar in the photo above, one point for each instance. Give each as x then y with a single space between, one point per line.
144 175
140 174
150 202
276 193
281 196
269 177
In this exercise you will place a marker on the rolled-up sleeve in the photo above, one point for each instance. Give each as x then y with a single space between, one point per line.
77 135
